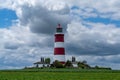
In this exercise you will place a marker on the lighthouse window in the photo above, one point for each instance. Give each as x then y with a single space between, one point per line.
59 29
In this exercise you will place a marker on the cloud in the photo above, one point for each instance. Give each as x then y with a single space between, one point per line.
43 18
93 40
93 8
85 9
20 47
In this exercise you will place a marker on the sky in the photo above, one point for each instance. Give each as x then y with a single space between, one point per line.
91 27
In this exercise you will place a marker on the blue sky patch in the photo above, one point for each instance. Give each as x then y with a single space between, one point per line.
6 17
74 7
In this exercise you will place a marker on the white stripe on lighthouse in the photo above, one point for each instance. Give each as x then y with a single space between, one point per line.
59 57
59 44
58 33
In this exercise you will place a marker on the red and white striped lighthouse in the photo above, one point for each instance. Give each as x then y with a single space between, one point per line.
59 50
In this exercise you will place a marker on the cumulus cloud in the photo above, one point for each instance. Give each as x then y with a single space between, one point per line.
92 8
43 18
20 47
93 40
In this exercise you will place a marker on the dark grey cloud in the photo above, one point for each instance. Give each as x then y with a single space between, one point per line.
42 20
86 48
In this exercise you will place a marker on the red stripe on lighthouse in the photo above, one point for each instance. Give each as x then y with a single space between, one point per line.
59 37
59 51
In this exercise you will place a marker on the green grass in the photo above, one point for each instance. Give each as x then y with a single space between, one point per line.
59 74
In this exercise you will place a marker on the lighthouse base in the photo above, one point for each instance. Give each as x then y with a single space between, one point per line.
60 58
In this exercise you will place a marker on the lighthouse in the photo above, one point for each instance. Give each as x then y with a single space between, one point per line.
59 50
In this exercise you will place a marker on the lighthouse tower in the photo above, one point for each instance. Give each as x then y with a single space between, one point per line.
59 50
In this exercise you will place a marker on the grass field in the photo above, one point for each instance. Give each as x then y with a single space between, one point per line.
59 74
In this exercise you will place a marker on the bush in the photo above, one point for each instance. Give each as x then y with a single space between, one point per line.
68 64
57 64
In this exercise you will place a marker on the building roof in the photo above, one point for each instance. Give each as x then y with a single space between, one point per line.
40 62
